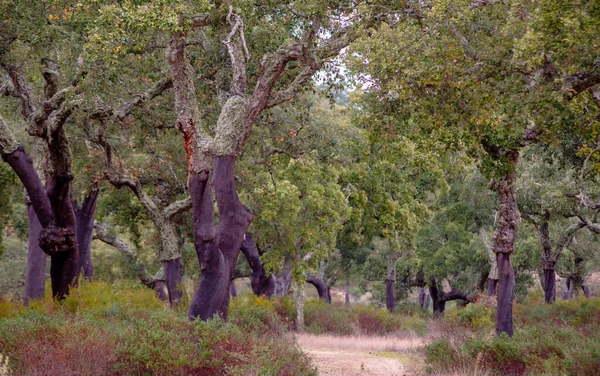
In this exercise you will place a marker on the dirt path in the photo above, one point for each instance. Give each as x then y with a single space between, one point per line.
350 356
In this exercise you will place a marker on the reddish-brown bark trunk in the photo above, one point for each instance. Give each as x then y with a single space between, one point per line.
35 277
85 232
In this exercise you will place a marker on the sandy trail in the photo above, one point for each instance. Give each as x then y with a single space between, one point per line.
357 355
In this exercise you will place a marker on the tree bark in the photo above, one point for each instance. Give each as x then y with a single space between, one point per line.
299 295
282 283
173 273
219 254
35 278
232 289
85 232
321 286
347 294
492 287
64 261
439 297
509 219
261 283
390 280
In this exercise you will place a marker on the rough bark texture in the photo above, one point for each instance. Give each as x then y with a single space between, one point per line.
509 219
64 259
35 277
261 283
299 296
173 273
85 232
321 286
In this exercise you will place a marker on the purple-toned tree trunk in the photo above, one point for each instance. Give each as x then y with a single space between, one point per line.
35 277
321 286
232 289
261 283
492 287
85 232
390 300
439 297
55 213
173 274
64 261
347 294
218 248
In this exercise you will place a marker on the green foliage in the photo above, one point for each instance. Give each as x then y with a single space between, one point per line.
557 339
122 331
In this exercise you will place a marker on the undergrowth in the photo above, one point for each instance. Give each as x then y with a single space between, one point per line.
102 330
558 339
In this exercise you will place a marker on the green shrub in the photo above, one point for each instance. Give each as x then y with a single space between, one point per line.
321 318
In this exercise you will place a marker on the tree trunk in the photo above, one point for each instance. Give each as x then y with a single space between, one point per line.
35 279
232 289
64 262
586 289
299 295
439 305
173 273
483 277
549 283
219 255
421 297
390 300
509 219
492 287
282 283
347 294
493 274
261 283
85 232
321 287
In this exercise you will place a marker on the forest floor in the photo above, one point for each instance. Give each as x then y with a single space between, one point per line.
359 355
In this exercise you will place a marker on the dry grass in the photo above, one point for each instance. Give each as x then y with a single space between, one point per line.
359 343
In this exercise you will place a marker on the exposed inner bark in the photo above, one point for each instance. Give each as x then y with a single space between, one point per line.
261 283
36 260
321 286
84 216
